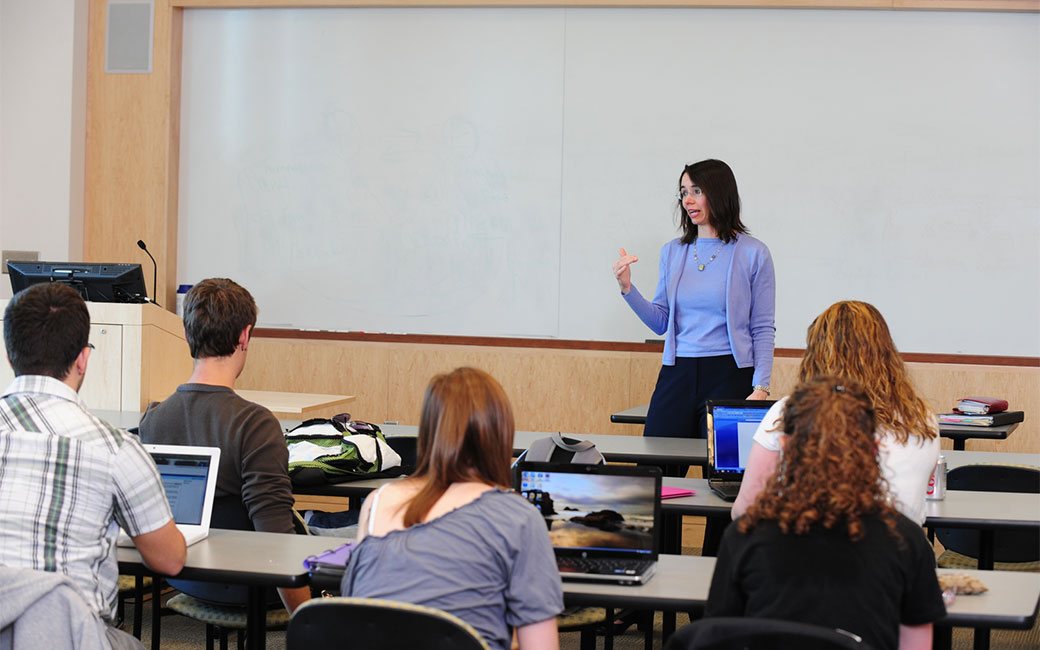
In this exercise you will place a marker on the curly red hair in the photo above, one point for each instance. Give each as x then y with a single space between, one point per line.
829 474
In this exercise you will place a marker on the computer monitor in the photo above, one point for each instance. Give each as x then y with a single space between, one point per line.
95 282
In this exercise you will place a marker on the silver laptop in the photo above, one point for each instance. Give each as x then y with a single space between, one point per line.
731 430
189 477
603 520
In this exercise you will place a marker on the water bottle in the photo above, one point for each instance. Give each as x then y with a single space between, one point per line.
937 484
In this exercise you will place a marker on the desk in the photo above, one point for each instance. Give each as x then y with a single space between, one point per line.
634 415
959 433
956 458
615 448
295 405
257 560
682 583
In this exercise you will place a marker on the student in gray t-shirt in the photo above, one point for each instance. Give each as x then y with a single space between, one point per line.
452 536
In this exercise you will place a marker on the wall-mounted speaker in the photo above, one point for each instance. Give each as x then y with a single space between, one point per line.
128 36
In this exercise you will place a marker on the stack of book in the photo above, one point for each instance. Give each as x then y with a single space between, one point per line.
982 412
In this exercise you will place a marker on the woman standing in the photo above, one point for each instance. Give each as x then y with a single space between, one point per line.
850 339
823 544
453 536
714 303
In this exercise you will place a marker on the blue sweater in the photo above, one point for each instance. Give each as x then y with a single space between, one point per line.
750 304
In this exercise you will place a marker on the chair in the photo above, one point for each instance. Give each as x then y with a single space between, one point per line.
373 624
1012 550
222 606
221 619
735 633
133 588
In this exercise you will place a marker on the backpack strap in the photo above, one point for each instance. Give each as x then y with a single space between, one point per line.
575 446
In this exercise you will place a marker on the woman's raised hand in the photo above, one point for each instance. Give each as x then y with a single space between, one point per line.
622 273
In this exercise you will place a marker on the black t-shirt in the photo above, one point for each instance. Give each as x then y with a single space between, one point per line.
867 587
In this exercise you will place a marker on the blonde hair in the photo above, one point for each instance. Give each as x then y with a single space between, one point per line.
850 340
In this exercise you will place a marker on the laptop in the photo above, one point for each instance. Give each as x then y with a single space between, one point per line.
603 520
189 477
731 429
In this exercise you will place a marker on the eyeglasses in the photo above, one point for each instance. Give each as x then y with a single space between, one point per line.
682 194
91 346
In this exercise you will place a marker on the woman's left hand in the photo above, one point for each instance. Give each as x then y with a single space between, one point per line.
758 394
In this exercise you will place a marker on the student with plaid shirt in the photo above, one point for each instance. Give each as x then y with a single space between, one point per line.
69 480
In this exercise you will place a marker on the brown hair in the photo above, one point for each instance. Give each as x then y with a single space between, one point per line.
850 339
829 472
465 434
216 311
716 180
46 326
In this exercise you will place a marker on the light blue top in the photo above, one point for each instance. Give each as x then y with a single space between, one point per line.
489 562
750 304
701 320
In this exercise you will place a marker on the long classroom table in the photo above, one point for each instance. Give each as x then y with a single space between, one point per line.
959 433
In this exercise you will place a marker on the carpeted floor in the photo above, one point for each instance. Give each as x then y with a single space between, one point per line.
181 633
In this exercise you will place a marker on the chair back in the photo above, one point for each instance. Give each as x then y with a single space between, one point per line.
331 623
1008 545
738 633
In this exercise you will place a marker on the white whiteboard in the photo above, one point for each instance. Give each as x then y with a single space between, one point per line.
473 171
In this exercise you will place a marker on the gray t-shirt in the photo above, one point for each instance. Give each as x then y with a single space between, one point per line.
489 562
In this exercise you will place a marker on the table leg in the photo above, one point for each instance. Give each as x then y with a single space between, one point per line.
942 637
256 619
981 640
156 610
986 544
667 626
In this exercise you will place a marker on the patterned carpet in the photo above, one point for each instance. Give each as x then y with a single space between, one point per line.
180 633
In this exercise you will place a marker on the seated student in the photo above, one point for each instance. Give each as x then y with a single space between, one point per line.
850 339
253 486
822 544
453 536
69 480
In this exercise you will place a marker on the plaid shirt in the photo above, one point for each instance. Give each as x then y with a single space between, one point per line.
68 481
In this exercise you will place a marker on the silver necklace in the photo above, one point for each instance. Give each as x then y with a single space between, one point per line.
700 267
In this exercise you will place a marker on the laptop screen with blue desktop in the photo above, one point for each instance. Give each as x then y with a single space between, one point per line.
731 430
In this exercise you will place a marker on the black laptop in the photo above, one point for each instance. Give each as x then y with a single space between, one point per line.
603 520
731 429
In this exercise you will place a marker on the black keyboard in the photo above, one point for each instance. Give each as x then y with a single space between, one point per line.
727 490
602 566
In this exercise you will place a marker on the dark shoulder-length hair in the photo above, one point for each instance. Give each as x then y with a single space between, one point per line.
465 434
828 473
716 180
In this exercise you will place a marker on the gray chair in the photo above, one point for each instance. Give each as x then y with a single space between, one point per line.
373 624
735 633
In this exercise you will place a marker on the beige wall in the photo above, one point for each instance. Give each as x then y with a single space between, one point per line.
571 390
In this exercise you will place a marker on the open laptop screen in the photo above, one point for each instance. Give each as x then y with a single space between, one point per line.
595 509
731 430
184 478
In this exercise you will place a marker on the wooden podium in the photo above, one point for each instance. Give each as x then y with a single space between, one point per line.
140 356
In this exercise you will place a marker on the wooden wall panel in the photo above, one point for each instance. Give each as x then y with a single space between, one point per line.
571 390
132 151
322 367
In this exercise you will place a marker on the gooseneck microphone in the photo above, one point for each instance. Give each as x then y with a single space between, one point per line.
155 271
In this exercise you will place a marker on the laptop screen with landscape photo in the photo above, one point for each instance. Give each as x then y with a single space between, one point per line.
596 510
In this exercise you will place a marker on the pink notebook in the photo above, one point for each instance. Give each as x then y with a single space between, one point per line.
671 493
